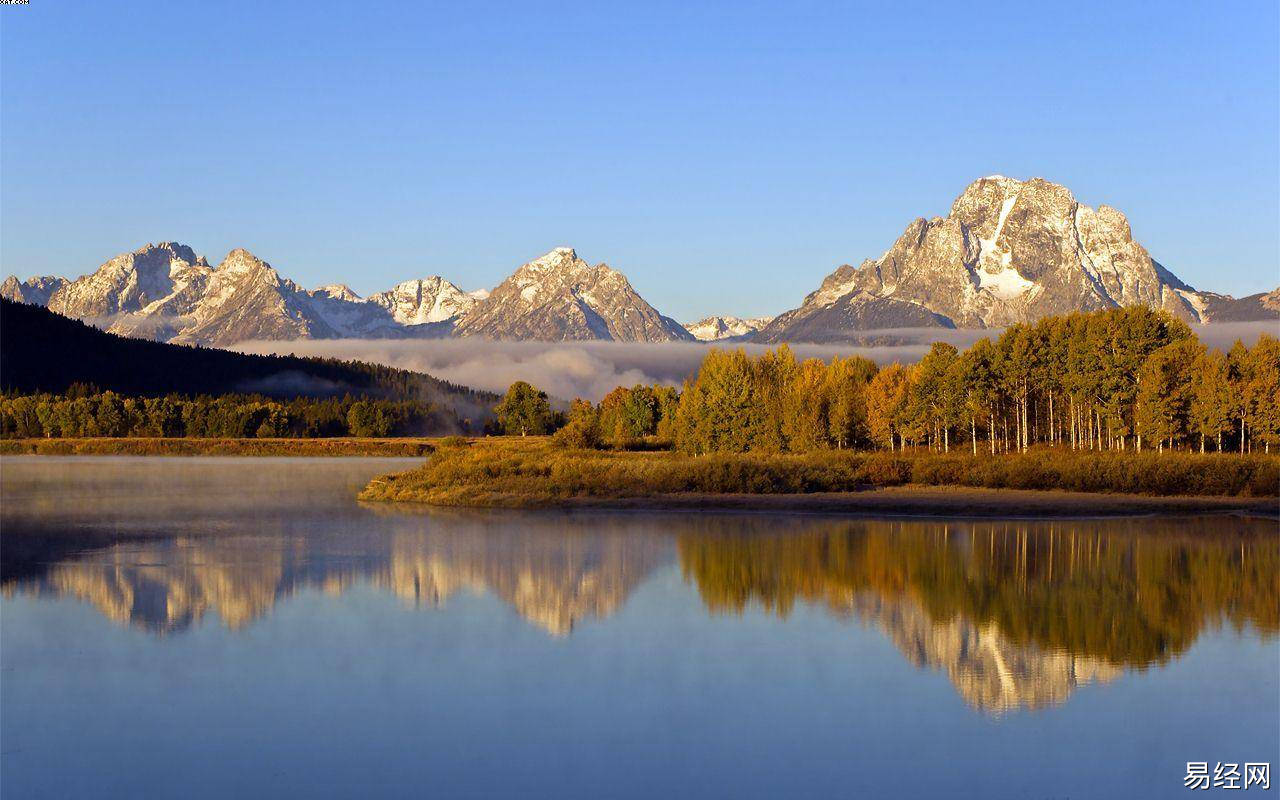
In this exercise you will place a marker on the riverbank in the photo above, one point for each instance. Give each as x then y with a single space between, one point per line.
927 501
513 473
335 447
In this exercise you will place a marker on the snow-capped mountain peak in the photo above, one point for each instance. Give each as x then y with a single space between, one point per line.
425 300
725 328
559 296
338 291
1008 251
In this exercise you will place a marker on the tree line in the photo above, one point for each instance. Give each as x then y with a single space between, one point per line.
1121 379
88 412
44 353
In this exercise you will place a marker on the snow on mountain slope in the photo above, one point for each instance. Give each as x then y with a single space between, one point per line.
36 290
720 328
425 300
559 297
1009 251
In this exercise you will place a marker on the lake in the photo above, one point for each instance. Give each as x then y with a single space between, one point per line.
243 627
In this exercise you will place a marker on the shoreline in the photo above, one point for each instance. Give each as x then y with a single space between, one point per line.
898 501
336 447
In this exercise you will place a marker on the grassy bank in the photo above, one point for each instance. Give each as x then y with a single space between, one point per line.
529 473
218 447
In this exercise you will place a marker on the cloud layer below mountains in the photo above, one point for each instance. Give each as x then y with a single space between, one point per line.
580 369
591 369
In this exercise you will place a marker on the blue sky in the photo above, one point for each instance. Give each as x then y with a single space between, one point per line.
726 156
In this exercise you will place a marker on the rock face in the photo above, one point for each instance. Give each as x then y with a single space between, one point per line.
721 329
35 291
166 292
1223 308
247 299
1009 251
166 275
425 300
559 297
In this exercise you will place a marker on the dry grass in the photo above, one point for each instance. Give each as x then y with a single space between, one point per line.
219 447
533 472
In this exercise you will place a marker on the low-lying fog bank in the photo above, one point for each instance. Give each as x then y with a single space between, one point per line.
591 369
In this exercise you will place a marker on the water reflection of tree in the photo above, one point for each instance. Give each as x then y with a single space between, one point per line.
1129 593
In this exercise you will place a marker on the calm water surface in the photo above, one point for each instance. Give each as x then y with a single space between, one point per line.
243 627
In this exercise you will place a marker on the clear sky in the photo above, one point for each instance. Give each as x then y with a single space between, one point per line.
725 156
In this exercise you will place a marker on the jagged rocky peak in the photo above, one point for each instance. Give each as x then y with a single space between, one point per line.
131 282
241 260
558 296
35 290
557 258
725 328
247 299
1008 251
425 300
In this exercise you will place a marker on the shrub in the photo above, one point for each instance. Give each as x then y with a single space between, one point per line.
886 470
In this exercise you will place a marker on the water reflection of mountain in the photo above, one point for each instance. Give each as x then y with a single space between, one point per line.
1017 614
551 577
988 669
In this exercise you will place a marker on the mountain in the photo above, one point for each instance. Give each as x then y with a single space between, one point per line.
560 297
1261 306
46 352
36 291
426 300
720 329
246 299
552 580
1009 251
166 292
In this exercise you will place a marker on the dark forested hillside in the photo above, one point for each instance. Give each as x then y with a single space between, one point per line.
41 351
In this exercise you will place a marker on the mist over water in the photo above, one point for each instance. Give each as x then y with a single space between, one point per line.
592 369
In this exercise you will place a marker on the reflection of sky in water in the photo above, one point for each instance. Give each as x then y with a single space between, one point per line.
319 646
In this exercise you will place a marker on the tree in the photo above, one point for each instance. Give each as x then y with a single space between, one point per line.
1262 391
979 389
1163 401
111 415
933 403
580 430
1211 399
806 409
772 378
627 415
524 411
1240 377
722 409
366 418
886 400
668 405
847 380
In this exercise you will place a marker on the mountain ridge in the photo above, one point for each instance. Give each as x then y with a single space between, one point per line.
1008 251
